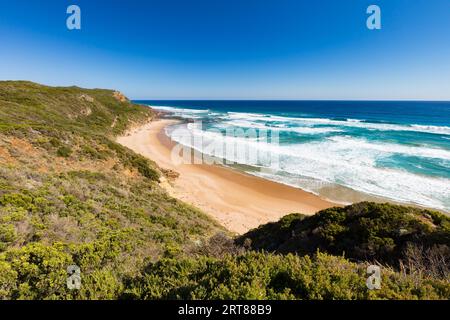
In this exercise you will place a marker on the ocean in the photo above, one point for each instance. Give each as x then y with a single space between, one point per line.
398 151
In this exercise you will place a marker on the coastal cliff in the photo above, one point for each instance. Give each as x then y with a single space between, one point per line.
71 195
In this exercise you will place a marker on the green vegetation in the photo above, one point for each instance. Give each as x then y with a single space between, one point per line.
71 195
267 276
363 232
26 104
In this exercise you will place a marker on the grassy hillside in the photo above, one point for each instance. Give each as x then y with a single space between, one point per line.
25 104
70 195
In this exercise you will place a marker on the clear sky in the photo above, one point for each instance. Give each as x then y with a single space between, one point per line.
233 49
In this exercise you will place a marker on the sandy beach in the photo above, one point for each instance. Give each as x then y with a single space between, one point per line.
238 201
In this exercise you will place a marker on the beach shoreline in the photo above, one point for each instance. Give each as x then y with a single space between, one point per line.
238 201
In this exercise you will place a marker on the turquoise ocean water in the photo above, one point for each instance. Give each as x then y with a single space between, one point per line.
394 150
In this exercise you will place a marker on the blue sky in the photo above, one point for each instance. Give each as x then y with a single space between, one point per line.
234 49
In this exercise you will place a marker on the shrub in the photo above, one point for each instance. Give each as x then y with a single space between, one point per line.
39 271
64 151
363 231
267 276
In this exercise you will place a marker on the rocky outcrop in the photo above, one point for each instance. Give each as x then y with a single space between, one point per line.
120 96
86 97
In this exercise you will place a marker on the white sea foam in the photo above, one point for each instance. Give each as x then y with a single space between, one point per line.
336 159
444 130
300 122
184 113
355 120
390 148
278 127
343 160
180 110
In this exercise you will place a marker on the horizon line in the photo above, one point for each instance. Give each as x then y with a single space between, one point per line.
324 100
